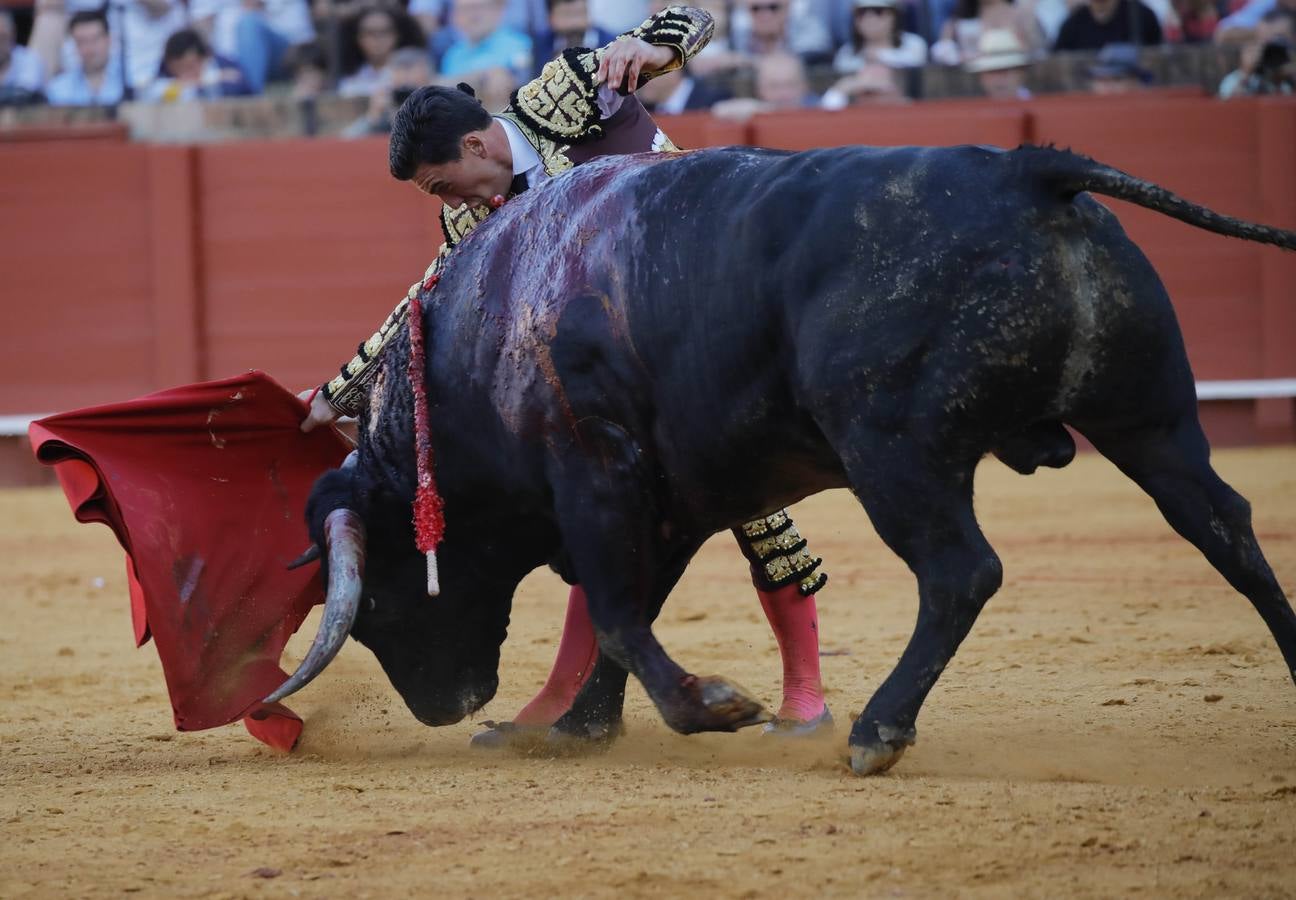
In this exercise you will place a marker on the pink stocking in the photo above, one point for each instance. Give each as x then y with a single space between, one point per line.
577 652
795 622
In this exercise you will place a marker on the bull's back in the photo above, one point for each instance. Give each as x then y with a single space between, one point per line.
726 299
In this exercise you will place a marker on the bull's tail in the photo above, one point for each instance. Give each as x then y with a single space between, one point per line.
1069 174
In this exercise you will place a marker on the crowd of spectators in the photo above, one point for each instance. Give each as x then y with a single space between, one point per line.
86 53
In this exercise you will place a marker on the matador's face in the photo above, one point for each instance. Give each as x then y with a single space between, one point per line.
477 176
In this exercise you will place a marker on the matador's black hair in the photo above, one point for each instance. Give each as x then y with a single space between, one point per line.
429 126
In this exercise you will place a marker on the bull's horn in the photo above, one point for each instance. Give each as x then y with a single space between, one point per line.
344 535
310 555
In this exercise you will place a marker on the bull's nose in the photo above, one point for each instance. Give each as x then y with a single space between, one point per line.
451 707
474 698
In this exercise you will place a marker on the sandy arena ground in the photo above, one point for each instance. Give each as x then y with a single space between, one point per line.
1119 721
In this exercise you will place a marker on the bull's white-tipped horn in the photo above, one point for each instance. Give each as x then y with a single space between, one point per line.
344 536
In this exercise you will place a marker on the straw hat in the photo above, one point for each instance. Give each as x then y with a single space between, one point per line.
999 48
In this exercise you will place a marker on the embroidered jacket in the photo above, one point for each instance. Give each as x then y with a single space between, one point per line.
558 114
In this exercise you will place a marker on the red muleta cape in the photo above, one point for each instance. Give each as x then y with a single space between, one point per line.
205 487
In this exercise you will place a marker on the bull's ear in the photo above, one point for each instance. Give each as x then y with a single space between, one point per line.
309 555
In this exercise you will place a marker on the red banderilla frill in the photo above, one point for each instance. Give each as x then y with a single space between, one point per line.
429 508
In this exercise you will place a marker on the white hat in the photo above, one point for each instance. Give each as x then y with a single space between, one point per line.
999 48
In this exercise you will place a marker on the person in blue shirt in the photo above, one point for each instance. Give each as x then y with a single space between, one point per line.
485 44
97 78
1241 26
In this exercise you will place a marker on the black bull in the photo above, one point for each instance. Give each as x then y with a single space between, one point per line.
651 349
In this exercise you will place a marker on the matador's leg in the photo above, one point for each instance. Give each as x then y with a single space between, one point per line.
786 579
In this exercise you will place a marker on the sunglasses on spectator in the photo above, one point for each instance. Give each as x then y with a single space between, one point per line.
872 10
379 31
766 7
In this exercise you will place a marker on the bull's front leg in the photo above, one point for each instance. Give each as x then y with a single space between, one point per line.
611 529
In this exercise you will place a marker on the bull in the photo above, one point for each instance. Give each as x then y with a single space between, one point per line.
651 349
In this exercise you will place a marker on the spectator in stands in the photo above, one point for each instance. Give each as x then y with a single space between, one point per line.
97 78
410 69
962 32
308 68
368 41
569 26
326 12
677 92
193 72
1194 22
1101 22
1001 65
1117 71
1266 61
1050 14
781 83
879 38
139 29
487 53
524 16
21 72
148 24
873 83
719 55
1243 24
255 33
764 27
927 18
618 16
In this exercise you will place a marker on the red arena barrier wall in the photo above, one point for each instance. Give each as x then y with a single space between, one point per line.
132 267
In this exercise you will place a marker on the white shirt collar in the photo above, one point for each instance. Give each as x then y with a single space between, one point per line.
525 158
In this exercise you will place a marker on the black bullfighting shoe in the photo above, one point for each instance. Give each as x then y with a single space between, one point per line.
500 735
820 726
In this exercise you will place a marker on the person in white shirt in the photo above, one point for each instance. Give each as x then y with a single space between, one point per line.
96 80
878 37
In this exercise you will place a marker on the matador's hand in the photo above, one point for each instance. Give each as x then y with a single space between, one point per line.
626 57
320 412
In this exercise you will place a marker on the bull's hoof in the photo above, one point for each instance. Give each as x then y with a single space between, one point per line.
714 703
873 754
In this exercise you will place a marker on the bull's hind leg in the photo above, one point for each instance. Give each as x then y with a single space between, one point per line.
1173 466
922 508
